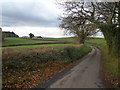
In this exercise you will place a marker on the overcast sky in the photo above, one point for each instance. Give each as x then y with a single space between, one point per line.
39 17
39 14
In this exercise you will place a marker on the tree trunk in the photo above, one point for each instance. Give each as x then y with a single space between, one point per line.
2 38
81 40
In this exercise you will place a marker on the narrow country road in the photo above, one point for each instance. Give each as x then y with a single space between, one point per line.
83 75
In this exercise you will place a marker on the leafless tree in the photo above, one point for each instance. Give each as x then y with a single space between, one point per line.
77 19
103 15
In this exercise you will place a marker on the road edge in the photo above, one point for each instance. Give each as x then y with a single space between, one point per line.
59 75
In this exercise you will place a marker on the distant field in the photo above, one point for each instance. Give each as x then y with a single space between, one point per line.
98 42
35 46
12 41
50 42
17 41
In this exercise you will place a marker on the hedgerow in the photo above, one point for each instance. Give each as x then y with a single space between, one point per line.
32 60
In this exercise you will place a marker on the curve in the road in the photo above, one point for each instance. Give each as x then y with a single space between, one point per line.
84 74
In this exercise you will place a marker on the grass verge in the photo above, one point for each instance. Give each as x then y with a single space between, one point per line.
109 65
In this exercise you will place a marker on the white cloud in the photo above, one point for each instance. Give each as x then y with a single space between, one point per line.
31 16
37 31
32 13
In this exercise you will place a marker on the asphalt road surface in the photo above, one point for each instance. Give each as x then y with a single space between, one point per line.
83 75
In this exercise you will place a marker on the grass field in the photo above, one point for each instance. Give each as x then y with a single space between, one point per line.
19 41
13 41
36 46
98 42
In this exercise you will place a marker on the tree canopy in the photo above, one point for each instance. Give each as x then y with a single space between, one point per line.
31 35
76 21
103 15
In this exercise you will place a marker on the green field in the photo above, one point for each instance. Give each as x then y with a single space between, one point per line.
13 41
36 46
19 41
97 42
